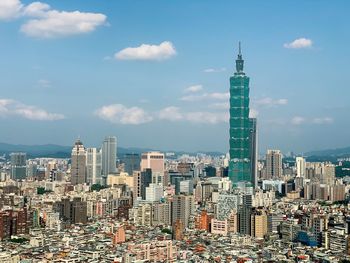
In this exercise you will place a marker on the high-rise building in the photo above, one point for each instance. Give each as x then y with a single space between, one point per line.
300 166
273 164
244 215
154 192
154 161
183 208
253 140
93 166
18 166
109 155
259 223
131 162
240 153
78 166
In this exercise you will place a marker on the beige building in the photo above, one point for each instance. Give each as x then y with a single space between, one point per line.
154 161
259 224
122 178
273 164
219 227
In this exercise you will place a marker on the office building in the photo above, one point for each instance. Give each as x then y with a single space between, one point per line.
183 208
131 163
253 143
244 215
153 161
18 166
78 165
93 166
240 155
273 164
300 166
259 225
154 192
109 156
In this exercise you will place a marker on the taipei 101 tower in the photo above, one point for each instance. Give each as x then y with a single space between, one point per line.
241 149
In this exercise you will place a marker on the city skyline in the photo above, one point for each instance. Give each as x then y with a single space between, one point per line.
131 76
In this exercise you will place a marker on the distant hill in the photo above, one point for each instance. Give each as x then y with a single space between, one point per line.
338 152
59 151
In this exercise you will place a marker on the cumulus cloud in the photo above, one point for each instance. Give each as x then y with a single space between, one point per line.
120 114
269 102
36 9
220 105
10 9
194 88
10 107
175 114
162 51
170 113
53 23
45 22
207 117
207 96
299 43
323 120
214 70
298 120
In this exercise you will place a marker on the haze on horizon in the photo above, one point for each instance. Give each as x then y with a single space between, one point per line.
156 74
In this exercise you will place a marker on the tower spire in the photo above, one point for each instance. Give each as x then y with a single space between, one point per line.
239 60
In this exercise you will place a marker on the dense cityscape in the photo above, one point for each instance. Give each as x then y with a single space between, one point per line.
187 131
100 206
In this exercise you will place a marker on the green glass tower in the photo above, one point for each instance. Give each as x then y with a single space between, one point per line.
240 149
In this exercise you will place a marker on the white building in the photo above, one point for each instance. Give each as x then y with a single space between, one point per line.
109 155
154 192
300 166
93 166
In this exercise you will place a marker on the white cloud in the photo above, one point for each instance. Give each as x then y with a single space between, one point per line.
269 102
170 113
175 114
207 117
299 43
43 83
118 113
53 23
220 105
298 120
214 70
207 96
324 120
193 89
253 113
10 9
10 107
162 51
36 9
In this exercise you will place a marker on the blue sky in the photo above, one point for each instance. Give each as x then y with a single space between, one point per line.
156 73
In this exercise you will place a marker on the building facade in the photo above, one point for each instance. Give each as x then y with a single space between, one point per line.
240 153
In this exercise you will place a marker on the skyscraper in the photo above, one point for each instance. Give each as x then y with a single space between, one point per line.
109 155
182 209
93 166
273 164
131 162
18 166
240 153
253 142
154 161
78 166
300 166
